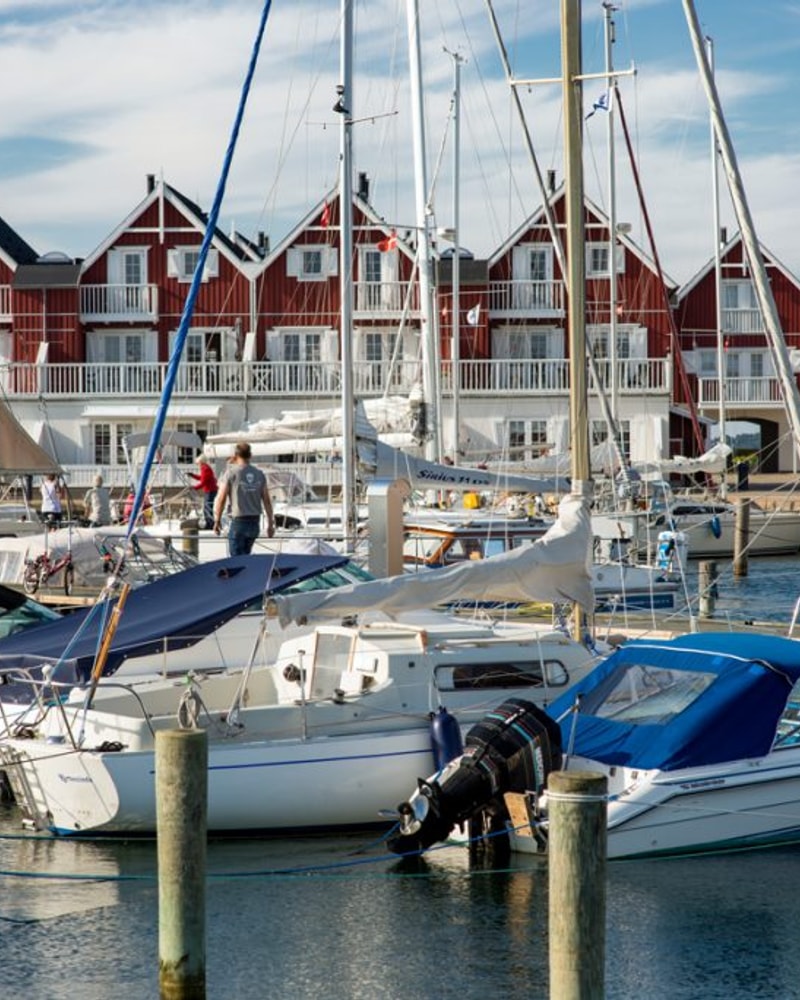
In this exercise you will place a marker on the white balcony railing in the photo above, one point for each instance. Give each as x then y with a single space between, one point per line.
741 392
651 376
386 297
110 302
532 298
742 321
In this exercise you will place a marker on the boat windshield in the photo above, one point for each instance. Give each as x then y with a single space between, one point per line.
646 695
18 613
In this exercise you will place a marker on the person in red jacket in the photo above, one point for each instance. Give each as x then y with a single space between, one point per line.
207 482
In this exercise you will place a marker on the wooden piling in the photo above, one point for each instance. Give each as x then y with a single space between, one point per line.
190 531
577 884
741 537
707 588
181 810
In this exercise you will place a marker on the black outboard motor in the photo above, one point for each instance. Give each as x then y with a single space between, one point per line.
512 749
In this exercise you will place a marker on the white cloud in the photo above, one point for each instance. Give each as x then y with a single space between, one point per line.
141 88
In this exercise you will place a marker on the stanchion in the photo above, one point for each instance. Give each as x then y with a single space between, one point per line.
181 810
577 884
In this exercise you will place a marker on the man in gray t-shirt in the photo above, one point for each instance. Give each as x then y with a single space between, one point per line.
245 487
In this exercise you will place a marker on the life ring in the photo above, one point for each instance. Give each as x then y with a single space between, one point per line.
716 527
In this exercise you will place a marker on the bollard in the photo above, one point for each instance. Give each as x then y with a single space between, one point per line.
190 529
181 811
707 588
577 884
741 537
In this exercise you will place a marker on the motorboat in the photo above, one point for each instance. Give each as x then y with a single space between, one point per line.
325 738
698 737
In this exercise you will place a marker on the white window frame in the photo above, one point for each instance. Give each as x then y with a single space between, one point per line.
182 261
298 260
596 269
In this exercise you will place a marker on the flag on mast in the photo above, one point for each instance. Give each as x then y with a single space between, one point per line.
325 218
603 103
389 243
474 315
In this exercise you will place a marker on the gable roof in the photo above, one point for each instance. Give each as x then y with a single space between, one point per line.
538 218
316 212
192 212
769 258
13 249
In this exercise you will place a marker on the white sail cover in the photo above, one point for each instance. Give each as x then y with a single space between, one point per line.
713 460
386 462
555 568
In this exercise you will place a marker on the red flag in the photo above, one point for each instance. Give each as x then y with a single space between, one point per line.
389 243
325 218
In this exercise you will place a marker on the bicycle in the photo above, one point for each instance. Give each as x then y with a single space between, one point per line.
39 570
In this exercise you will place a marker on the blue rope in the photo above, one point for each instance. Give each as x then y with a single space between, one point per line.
188 309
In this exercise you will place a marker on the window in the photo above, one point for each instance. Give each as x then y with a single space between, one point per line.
526 439
182 263
311 263
597 260
756 365
599 434
645 695
108 443
500 676
185 455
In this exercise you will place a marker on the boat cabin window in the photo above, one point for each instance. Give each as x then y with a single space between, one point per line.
499 676
645 695
788 732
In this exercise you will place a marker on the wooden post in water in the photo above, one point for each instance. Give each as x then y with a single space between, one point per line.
190 530
181 809
741 537
707 588
577 884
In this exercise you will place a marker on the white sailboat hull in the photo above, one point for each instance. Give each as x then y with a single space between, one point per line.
288 784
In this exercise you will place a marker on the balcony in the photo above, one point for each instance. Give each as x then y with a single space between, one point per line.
113 303
295 379
5 303
742 321
741 392
518 299
376 299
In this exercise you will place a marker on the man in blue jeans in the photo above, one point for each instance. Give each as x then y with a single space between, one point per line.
246 488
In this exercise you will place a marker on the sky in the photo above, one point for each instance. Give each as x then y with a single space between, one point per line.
98 94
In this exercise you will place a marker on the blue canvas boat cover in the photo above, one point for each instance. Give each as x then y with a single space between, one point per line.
183 608
697 700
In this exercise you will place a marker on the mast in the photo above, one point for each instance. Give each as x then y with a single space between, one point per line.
344 106
608 15
456 274
429 345
576 257
721 373
758 271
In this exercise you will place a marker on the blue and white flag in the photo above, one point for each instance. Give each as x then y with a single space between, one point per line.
603 103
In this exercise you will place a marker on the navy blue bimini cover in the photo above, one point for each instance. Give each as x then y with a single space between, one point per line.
182 607
738 691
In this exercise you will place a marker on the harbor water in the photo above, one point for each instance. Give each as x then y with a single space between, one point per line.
340 919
